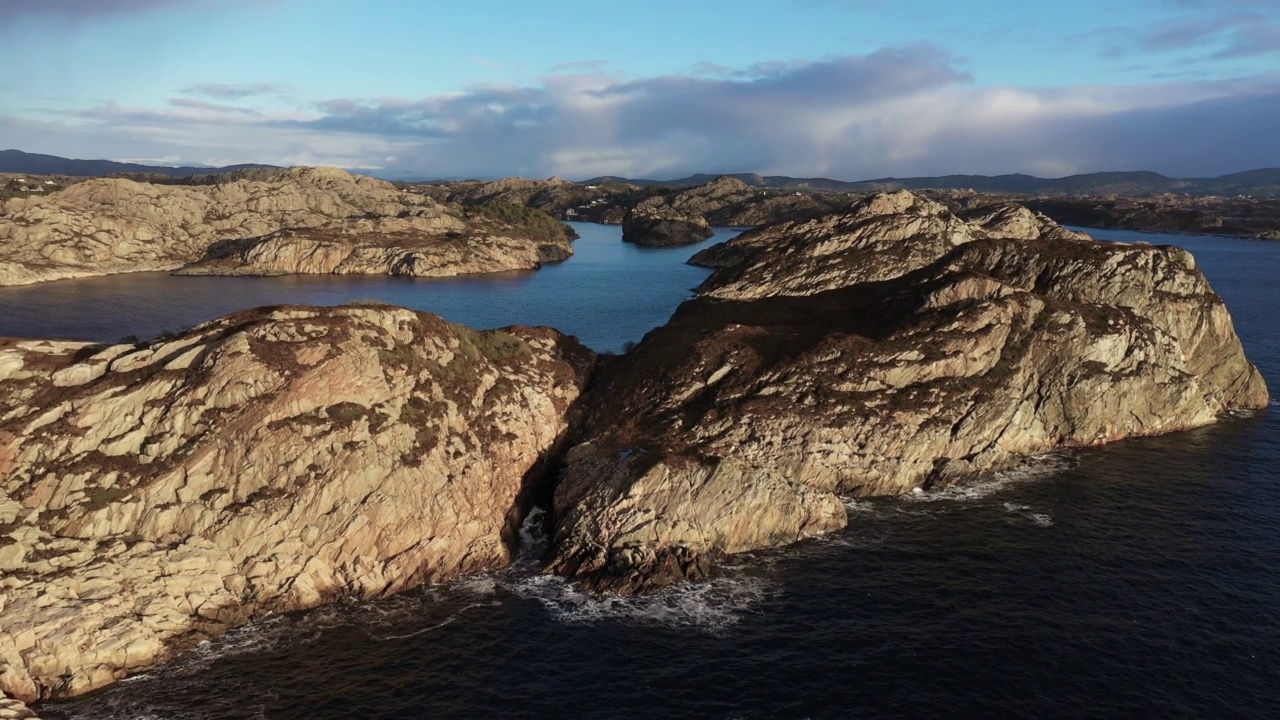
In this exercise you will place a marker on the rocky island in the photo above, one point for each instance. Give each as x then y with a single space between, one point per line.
302 220
871 353
155 494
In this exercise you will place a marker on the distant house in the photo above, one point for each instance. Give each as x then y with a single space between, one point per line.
571 213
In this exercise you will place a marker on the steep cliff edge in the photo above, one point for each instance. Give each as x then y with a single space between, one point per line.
110 226
814 368
657 223
271 460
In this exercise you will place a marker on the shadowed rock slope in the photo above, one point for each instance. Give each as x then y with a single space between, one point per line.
271 460
834 372
303 220
657 222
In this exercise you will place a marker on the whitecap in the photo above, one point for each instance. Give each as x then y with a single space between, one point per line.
856 506
711 605
1033 468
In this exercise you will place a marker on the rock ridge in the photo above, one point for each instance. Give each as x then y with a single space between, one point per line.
811 368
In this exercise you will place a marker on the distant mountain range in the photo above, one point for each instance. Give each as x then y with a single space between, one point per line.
16 161
1264 182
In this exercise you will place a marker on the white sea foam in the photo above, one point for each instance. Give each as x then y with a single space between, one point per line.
1041 519
1033 468
711 605
857 506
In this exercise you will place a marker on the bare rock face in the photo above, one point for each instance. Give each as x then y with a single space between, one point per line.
419 245
271 460
881 237
657 223
12 709
109 226
740 423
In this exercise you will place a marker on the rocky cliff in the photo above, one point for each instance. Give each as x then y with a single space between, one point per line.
111 225
872 353
271 460
657 223
880 237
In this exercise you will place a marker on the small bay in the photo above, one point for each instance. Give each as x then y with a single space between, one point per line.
607 294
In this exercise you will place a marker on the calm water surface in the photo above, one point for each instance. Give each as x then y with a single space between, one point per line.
608 293
1137 580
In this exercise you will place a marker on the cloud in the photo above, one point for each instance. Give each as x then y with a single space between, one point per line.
898 111
1231 35
13 9
231 91
190 104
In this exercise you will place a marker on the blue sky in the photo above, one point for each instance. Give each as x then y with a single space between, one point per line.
842 88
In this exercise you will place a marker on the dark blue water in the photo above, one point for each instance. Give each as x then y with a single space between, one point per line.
1137 580
608 293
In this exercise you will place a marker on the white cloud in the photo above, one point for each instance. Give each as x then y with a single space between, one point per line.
898 111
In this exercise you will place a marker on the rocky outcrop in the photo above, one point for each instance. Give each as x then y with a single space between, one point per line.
426 245
1231 215
657 223
552 194
275 459
11 709
109 226
740 423
881 237
729 202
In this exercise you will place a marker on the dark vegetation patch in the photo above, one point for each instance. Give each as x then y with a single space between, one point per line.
346 414
531 222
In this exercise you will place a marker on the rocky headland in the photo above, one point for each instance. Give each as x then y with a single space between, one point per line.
300 220
894 347
155 494
878 238
275 459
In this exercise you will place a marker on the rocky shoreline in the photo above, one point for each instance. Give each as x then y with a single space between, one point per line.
301 220
275 459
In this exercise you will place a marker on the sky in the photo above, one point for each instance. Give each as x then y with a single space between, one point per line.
846 89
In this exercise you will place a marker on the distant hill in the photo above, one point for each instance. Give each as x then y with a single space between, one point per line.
16 161
1264 182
